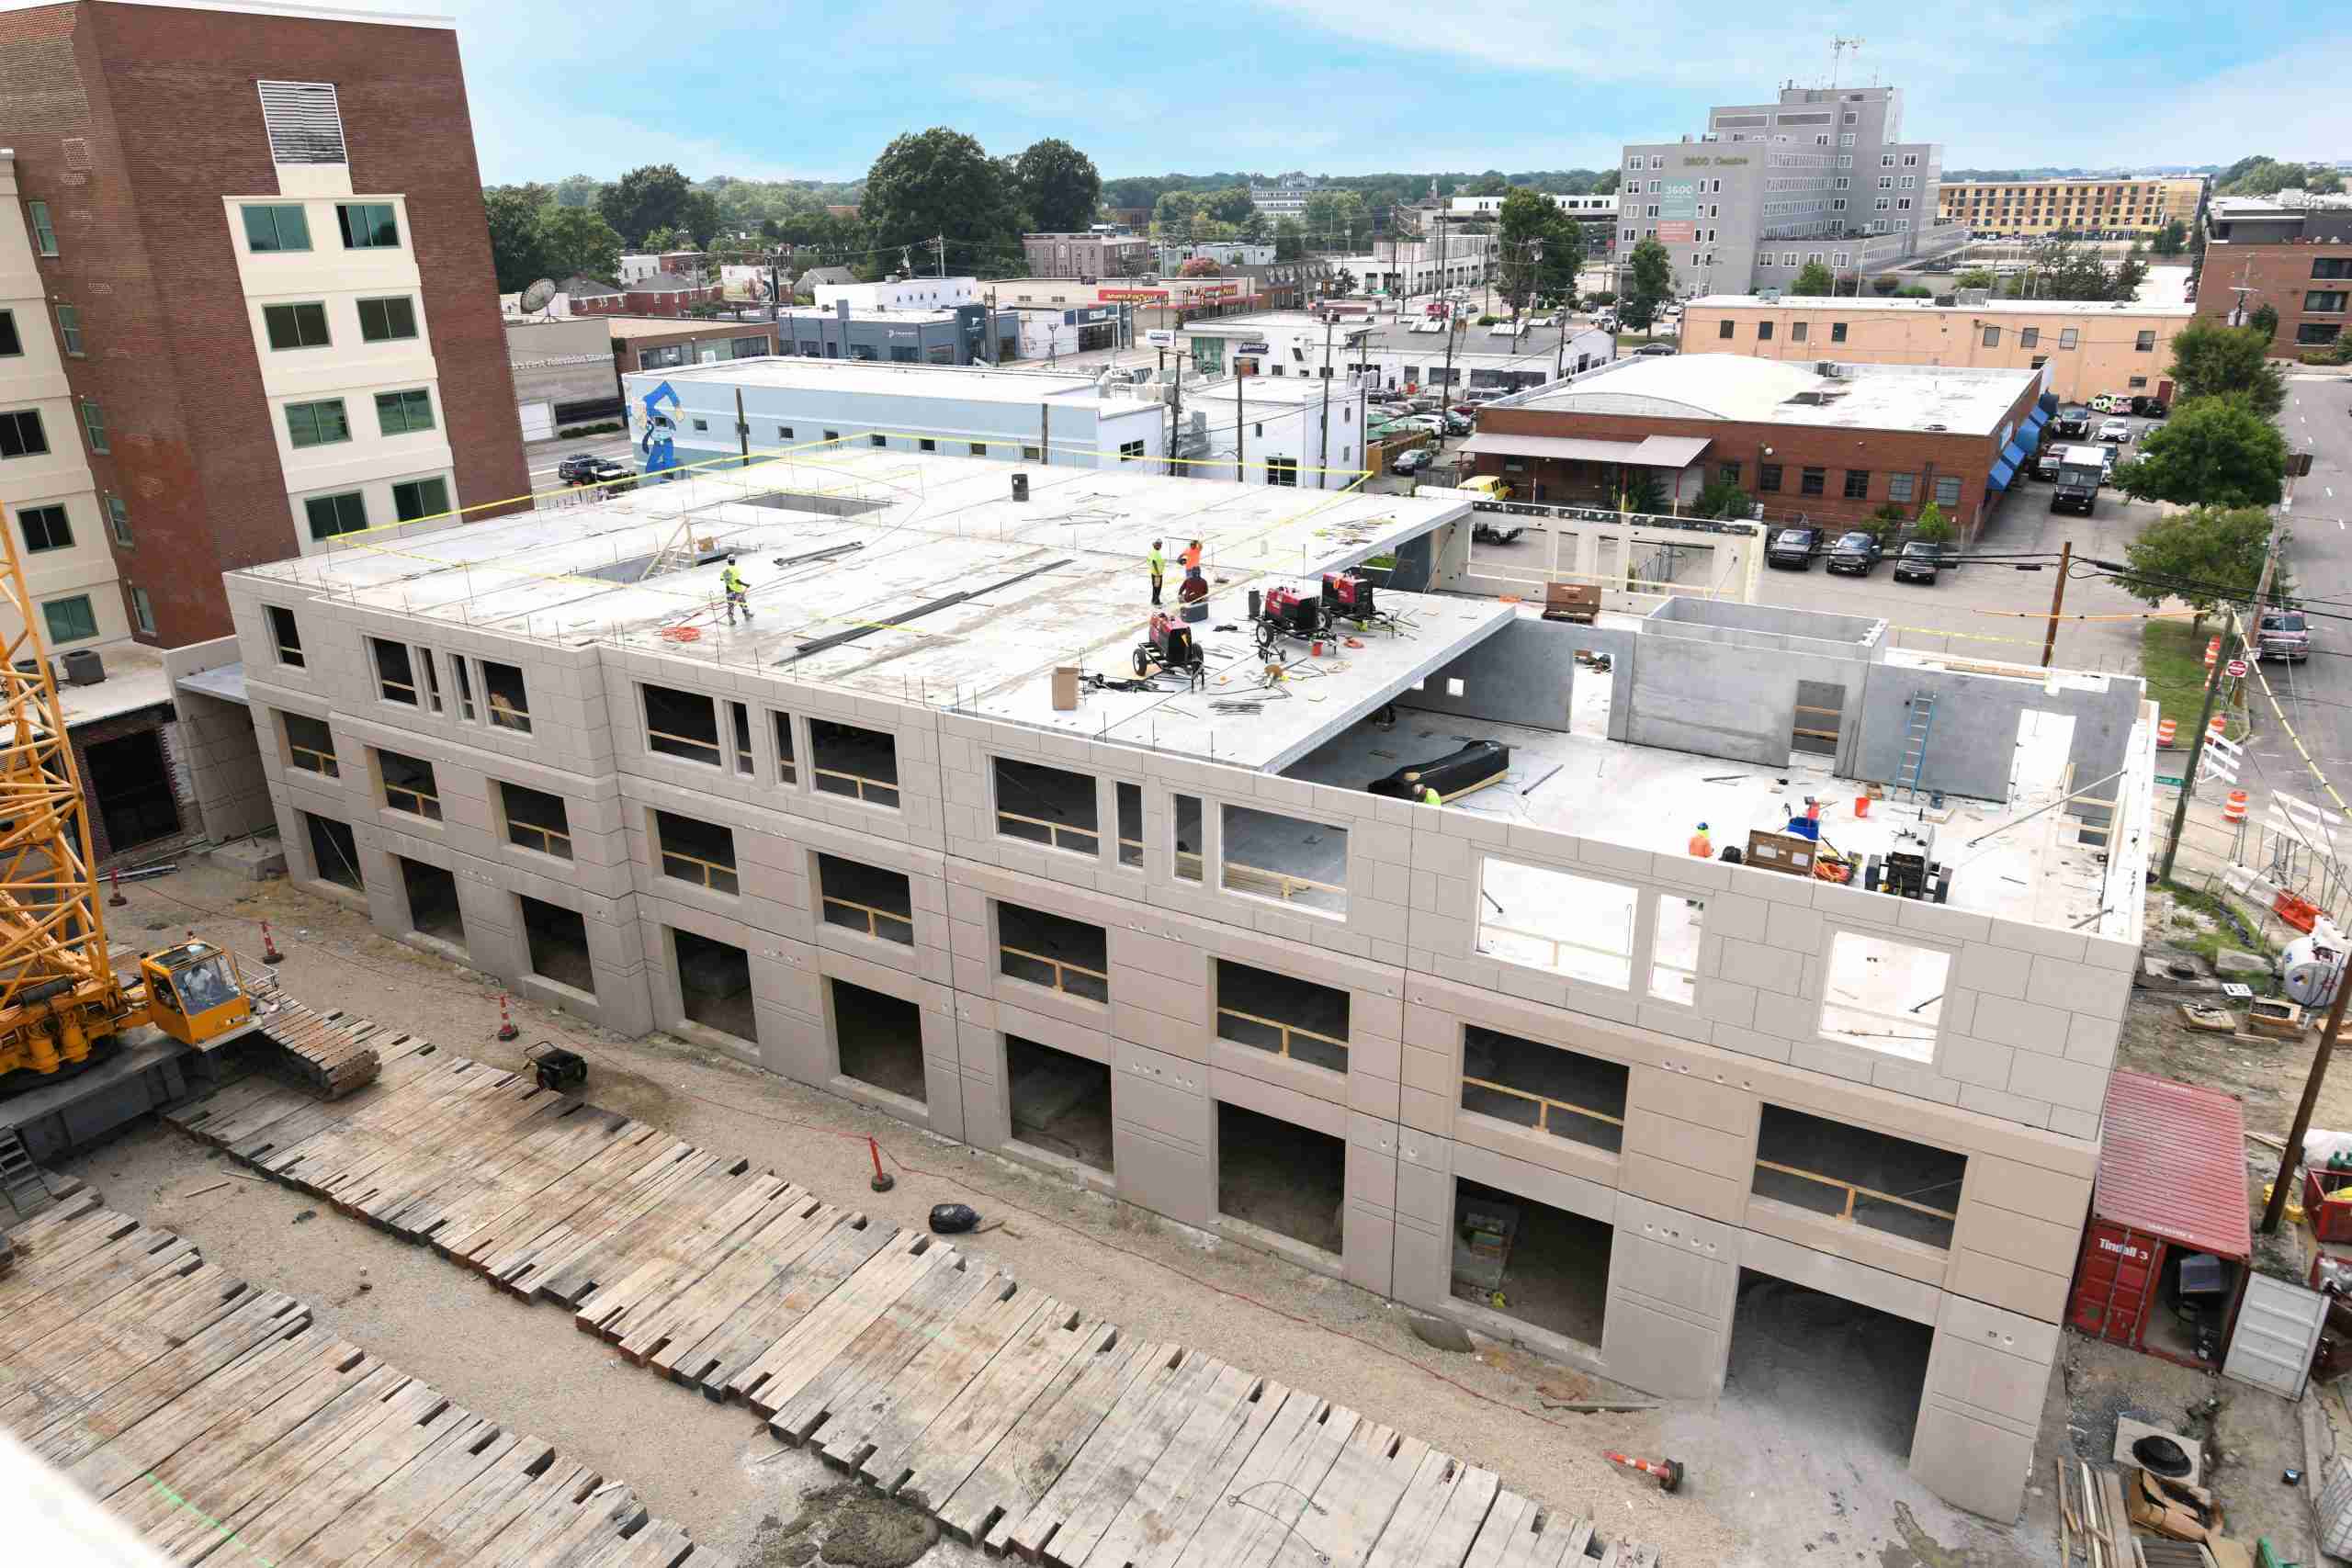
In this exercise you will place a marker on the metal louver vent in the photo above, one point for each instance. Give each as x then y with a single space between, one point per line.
304 122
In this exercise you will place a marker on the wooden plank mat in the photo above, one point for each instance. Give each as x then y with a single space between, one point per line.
216 1421
1020 1424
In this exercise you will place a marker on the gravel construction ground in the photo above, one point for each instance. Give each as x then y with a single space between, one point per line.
715 1470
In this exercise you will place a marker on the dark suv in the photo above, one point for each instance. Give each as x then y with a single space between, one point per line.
581 468
1792 547
1919 562
1855 553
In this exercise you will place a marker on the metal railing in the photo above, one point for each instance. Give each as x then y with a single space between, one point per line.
708 873
417 802
1054 832
690 742
1853 1193
859 784
873 919
1545 1104
317 761
1286 1030
1062 968
552 841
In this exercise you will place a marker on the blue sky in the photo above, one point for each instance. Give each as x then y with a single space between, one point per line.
817 90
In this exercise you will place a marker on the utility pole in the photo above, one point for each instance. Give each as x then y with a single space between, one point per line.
941 243
2057 602
1323 455
1161 382
2292 1154
1446 393
2205 716
1238 416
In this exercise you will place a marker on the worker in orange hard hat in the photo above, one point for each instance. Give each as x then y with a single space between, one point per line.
1701 846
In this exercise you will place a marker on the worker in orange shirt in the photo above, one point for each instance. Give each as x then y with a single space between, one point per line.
1191 556
1701 846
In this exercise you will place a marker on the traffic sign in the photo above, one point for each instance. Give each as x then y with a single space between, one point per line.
2237 668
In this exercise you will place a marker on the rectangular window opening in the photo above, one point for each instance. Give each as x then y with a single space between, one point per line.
284 635
1131 826
1562 1093
1553 921
510 701
879 1038
1529 1261
536 820
1883 995
861 763
1186 837
329 515
408 784
1280 1177
1674 948
335 852
433 907
1281 1015
1061 1102
395 673
715 983
1859 1177
696 851
310 745
1293 862
1051 807
867 899
557 939
1058 953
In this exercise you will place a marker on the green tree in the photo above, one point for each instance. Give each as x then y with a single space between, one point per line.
2211 360
1535 239
1289 240
1648 284
2214 452
1932 524
1058 186
579 242
2219 548
1812 279
1337 219
2172 239
1607 184
1175 214
517 251
1642 491
1975 278
1492 183
1884 283
1257 231
1914 291
2130 273
698 219
2264 318
942 183
578 190
1231 205
1722 498
644 199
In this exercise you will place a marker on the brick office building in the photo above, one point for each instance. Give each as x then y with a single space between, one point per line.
1829 441
2296 260
268 229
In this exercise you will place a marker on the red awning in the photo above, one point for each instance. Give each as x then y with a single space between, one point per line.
2174 1164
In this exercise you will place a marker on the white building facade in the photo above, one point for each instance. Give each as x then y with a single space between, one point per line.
901 294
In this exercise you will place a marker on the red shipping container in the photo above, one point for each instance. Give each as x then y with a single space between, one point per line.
2116 1284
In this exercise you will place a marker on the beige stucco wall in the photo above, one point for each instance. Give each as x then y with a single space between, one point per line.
2104 354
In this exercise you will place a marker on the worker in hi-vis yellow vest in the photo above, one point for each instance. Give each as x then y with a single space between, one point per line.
1159 570
739 593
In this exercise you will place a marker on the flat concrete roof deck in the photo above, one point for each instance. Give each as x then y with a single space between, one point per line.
1965 401
860 540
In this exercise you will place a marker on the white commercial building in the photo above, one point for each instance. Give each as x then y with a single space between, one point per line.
804 405
1392 354
901 294
1260 431
1422 266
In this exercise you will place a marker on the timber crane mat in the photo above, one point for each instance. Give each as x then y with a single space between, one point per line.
326 1054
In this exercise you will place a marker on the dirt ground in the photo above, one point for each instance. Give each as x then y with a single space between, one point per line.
1751 1502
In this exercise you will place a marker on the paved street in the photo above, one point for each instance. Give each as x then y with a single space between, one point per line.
2317 696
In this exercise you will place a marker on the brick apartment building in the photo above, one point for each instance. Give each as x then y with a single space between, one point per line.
265 229
1088 255
2297 261
1832 447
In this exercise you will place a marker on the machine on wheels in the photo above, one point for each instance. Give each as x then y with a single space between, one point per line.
1285 612
1168 644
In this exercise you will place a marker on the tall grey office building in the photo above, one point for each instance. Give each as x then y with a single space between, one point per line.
1821 175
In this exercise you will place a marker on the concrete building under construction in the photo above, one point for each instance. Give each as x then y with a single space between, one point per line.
1522 1057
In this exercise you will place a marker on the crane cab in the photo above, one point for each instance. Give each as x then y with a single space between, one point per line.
195 996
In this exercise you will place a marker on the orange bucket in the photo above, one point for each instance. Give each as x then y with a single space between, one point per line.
1861 805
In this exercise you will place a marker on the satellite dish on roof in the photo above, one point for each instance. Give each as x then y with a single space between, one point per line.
536 296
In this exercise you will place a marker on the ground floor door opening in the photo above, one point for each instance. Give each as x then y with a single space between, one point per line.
558 939
1280 1177
133 785
335 851
1831 1377
432 901
1061 1103
1526 1259
880 1039
715 983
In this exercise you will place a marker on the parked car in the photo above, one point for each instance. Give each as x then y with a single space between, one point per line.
1413 461
2115 429
1792 547
1919 562
1854 554
2072 424
2149 408
2045 463
581 468
2283 634
2108 458
1484 533
1654 351
1459 424
1494 487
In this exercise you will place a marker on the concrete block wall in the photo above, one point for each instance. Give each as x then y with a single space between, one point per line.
2015 1082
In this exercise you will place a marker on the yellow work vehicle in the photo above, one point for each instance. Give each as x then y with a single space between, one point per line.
191 992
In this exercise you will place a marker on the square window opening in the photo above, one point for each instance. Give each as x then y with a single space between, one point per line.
536 820
1529 1261
867 899
1051 807
310 745
682 724
1883 995
696 851
408 786
1280 1177
1554 920
1060 953
857 763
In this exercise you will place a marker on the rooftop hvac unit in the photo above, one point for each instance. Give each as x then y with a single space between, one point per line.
1769 295
1826 368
